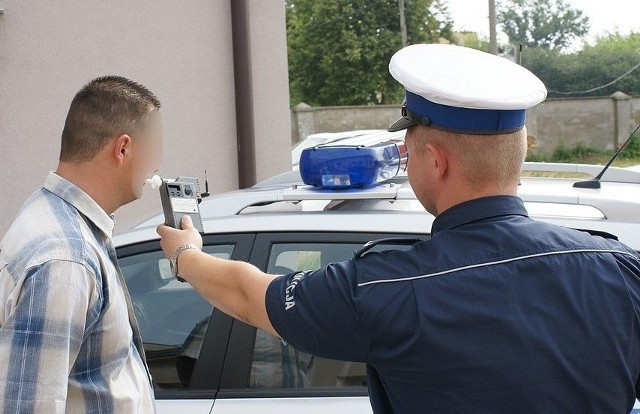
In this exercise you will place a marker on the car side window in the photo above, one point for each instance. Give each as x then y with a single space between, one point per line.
277 364
173 318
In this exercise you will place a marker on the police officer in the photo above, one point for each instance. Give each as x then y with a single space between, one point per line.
496 312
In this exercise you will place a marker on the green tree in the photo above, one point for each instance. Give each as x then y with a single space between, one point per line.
549 24
339 50
611 64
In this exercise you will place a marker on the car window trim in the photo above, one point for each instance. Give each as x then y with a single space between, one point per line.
207 371
328 392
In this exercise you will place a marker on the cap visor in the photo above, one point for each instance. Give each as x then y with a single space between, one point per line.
400 124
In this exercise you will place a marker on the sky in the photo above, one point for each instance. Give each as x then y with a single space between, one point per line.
605 16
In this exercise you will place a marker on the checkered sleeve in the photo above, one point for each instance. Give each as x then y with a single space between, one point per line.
45 320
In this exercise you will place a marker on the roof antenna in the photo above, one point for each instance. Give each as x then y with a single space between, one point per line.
595 181
206 186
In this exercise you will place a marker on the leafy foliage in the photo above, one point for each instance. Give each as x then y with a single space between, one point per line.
339 49
584 72
549 24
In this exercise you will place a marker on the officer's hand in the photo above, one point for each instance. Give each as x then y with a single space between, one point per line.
172 238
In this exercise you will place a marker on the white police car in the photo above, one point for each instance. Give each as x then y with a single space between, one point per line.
204 361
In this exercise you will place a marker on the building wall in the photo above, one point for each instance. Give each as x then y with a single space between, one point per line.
602 122
567 122
635 112
182 51
270 127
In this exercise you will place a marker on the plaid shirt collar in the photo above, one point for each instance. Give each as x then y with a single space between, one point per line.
86 205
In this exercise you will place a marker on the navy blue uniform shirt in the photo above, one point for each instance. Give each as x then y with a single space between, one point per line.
495 313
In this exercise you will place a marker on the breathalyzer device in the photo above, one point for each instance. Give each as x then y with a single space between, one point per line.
179 197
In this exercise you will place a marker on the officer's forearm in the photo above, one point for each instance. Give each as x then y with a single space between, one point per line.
236 288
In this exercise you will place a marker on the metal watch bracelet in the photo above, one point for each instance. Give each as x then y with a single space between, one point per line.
174 259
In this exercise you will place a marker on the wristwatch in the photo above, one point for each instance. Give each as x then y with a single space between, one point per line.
173 260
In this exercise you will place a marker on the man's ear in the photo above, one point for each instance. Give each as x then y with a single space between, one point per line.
438 159
122 148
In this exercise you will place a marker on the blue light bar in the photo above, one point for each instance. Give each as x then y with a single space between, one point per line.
352 166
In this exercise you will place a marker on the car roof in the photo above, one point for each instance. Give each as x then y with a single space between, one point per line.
284 204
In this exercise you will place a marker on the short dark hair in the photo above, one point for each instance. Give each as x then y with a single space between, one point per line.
104 108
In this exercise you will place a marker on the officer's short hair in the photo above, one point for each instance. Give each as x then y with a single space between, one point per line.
483 159
104 108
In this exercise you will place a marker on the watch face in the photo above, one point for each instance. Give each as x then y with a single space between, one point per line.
172 263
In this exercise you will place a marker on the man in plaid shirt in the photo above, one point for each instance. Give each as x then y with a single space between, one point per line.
69 341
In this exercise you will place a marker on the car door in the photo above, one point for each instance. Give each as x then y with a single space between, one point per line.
262 372
185 338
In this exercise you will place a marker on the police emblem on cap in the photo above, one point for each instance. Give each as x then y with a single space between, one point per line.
463 90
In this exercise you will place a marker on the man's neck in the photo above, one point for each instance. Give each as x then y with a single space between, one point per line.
88 178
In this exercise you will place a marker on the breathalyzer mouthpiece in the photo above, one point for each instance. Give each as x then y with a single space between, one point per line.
155 182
